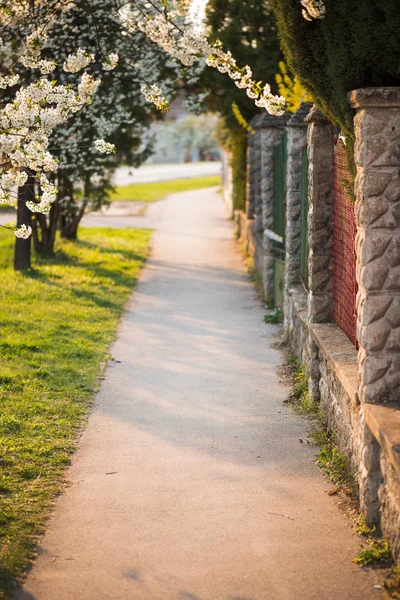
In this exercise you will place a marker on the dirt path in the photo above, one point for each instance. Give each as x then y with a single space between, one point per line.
190 482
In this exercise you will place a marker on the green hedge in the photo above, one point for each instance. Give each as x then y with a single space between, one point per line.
356 45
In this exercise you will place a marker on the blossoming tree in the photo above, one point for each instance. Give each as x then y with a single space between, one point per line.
43 103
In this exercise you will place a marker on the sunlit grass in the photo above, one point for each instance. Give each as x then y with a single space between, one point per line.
152 192
56 323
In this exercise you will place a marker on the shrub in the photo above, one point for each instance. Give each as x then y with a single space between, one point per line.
356 45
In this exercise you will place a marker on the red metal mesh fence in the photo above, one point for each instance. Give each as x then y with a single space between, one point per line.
344 255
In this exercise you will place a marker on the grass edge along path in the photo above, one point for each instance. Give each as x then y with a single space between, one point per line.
157 190
57 322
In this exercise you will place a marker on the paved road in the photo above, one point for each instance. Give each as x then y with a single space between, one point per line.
190 482
148 173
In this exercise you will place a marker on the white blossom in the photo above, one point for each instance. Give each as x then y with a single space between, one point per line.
188 45
78 61
104 147
12 179
111 62
23 232
154 94
8 81
313 9
87 87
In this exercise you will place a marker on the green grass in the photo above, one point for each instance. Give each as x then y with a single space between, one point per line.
152 192
378 553
275 317
56 322
335 463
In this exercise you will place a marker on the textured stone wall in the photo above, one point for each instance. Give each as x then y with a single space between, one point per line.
297 141
351 386
377 156
253 180
250 172
271 130
296 315
389 498
320 217
377 188
339 404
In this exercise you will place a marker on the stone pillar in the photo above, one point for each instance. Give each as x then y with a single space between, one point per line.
377 188
271 131
253 185
320 216
297 141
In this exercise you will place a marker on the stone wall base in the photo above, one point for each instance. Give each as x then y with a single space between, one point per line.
331 363
389 497
368 435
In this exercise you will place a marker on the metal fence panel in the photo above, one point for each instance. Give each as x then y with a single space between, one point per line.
344 254
304 218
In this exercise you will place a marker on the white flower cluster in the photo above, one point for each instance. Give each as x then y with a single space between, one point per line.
77 62
31 59
104 147
27 121
87 88
13 12
49 195
188 46
9 180
154 94
243 78
8 81
313 9
184 44
111 62
23 232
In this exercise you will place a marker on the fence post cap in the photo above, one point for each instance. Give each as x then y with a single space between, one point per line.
255 122
378 96
268 120
317 116
298 118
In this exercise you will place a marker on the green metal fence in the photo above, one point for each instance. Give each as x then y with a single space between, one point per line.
279 216
304 218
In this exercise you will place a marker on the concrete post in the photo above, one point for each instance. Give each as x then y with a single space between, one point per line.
271 131
377 188
320 216
253 185
297 140
377 185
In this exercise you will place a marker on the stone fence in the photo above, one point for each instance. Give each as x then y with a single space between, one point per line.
358 388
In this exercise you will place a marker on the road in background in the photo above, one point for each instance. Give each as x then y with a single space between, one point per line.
150 173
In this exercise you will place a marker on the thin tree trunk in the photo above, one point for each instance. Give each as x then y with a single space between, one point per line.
22 253
71 219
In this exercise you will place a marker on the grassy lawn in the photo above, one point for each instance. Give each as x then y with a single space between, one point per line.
151 192
56 324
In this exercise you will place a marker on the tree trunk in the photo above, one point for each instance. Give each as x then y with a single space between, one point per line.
22 253
44 229
72 215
